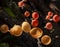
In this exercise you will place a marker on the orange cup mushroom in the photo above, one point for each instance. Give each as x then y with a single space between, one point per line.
56 18
16 30
46 40
49 26
48 17
26 27
36 32
34 23
21 4
35 15
50 13
27 14
4 28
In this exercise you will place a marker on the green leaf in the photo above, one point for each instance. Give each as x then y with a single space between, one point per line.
10 13
4 45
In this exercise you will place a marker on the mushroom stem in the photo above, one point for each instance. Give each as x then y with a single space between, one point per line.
39 43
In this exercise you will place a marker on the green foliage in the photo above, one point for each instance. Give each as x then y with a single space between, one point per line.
8 10
4 45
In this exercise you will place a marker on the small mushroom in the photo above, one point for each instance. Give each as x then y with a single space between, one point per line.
16 30
46 40
36 32
4 28
26 27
